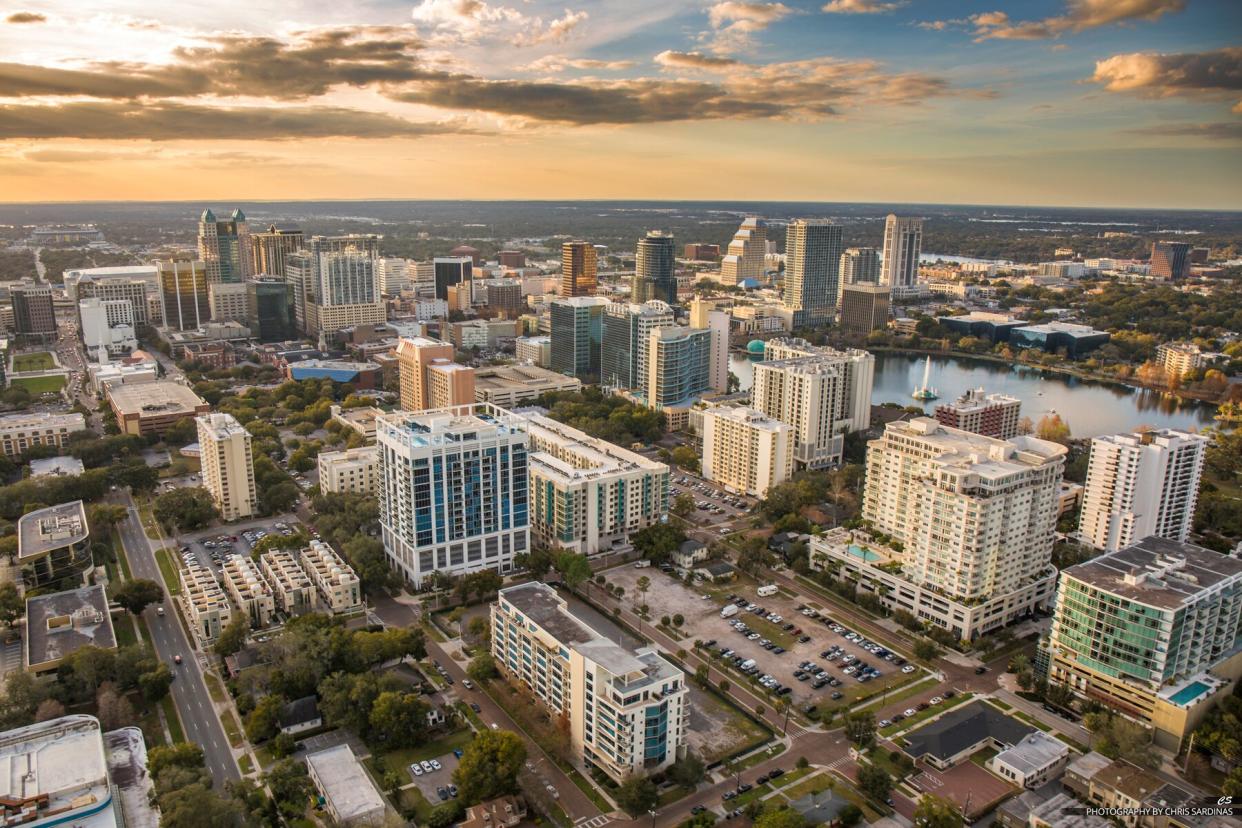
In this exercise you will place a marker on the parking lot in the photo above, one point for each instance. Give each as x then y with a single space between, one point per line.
211 547
774 639
712 503
434 777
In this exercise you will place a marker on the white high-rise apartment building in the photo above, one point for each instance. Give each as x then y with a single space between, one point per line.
812 268
586 493
745 256
858 371
394 275
453 488
745 450
627 335
976 516
107 327
228 466
903 243
703 314
1139 485
135 283
812 395
628 710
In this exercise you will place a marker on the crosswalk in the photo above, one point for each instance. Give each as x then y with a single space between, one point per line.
592 822
837 763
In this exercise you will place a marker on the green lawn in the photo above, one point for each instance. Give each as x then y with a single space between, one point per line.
412 799
811 785
174 721
400 758
231 730
922 715
124 628
758 758
881 700
168 569
49 384
39 361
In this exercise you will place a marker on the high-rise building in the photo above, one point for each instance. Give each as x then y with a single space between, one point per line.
992 415
858 264
1181 358
269 309
853 409
976 517
394 275
449 384
678 366
34 314
228 465
227 301
903 243
704 315
452 270
1152 631
655 269
1170 259
1140 485
627 710
744 258
505 297
745 450
578 269
587 494
577 331
361 244
818 397
515 259
812 269
864 308
269 248
224 247
135 283
627 332
414 357
453 489
184 301
107 328
338 290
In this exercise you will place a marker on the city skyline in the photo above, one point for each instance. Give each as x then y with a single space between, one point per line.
1071 102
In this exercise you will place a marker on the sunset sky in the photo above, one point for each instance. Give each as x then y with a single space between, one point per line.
1058 102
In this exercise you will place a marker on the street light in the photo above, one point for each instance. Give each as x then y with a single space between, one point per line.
653 814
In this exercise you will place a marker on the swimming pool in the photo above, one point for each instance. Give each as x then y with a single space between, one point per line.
859 552
1189 693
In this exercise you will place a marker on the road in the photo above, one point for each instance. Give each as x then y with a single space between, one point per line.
168 637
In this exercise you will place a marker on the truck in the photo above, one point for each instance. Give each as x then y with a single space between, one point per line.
729 611
766 590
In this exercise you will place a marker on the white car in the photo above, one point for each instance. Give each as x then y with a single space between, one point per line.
426 766
885 722
909 711
909 668
417 769
435 763
936 700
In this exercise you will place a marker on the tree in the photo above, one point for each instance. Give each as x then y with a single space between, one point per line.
850 815
263 722
688 771
1119 738
400 717
783 817
136 595
926 649
185 508
290 785
874 782
489 765
537 562
445 814
233 636
482 667
574 568
755 556
683 505
657 541
12 606
636 794
49 709
196 806
934 812
1052 427
113 709
702 675
686 457
860 727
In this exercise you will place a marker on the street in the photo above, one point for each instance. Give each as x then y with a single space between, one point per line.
168 637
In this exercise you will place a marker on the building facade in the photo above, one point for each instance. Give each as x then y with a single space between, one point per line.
415 356
678 366
864 307
338 584
655 269
269 248
627 330
34 314
705 316
227 465
19 432
450 271
269 309
812 269
184 301
577 332
352 470
227 302
903 244
745 450
1170 259
992 415
578 269
224 247
507 386
744 258
250 591
108 329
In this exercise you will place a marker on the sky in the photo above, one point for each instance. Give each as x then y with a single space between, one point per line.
1127 103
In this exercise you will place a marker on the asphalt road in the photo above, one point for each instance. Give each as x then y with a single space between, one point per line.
168 637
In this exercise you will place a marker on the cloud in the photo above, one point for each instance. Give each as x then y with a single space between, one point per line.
1217 131
165 121
559 63
861 6
734 22
25 17
1079 15
1216 73
467 21
670 59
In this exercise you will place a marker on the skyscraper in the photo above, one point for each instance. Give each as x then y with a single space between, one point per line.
394 275
1170 259
228 465
346 293
224 247
33 312
903 243
678 366
304 273
745 256
269 309
704 315
655 265
854 405
577 331
414 356
812 269
452 270
452 490
578 269
864 308
1140 485
269 248
183 293
858 264
627 328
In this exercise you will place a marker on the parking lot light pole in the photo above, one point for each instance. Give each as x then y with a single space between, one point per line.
653 816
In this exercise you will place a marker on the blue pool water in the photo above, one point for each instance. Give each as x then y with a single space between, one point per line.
1189 693
866 554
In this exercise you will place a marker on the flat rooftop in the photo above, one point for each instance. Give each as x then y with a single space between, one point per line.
155 398
64 622
969 452
578 455
71 421
449 425
62 759
1068 328
56 467
345 783
221 426
55 527
505 378
1158 572
1034 752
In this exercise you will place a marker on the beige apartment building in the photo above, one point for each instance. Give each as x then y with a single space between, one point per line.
228 302
745 450
19 432
352 470
208 607
227 465
449 384
291 586
249 590
337 584
414 355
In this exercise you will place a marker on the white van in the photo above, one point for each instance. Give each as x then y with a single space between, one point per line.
766 590
642 564
729 611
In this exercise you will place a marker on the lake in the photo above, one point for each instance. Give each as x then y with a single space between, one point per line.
1091 408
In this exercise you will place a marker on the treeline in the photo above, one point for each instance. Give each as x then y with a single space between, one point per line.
606 416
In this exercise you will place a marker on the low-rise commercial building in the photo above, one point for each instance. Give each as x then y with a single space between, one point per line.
54 544
19 432
993 327
208 607
64 466
964 731
351 470
1034 761
1074 340
60 624
507 386
363 375
336 581
292 588
249 590
348 793
154 407
627 710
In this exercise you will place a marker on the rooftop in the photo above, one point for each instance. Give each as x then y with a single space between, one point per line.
28 419
1068 328
63 622
55 527
967 452
345 783
1035 751
61 759
154 398
448 425
964 727
506 378
56 467
1158 572
575 454
747 416
221 426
